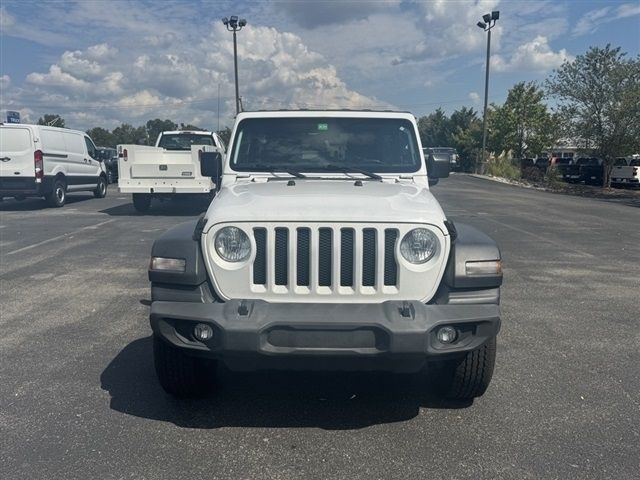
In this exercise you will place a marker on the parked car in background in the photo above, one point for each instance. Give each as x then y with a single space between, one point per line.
453 155
560 164
572 173
592 171
109 157
43 161
169 170
626 172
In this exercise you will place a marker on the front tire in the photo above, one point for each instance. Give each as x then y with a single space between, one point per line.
101 188
181 375
141 202
468 377
58 197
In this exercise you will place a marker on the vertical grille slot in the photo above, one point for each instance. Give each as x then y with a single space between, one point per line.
346 257
390 264
369 257
260 263
303 257
325 257
281 251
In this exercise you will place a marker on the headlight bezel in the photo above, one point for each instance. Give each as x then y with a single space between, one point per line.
434 250
244 237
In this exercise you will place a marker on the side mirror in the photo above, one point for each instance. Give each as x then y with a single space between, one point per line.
211 166
438 166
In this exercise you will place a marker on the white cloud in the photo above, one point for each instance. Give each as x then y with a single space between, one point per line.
534 56
6 20
5 81
316 14
108 86
474 97
593 19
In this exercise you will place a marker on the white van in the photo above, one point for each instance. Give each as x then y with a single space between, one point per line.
42 161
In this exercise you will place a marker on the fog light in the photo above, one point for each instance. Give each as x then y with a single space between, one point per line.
203 332
447 335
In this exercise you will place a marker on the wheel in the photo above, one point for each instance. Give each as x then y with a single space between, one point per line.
141 202
101 188
181 375
467 377
58 196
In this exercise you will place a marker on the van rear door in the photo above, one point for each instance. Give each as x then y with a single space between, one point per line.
16 152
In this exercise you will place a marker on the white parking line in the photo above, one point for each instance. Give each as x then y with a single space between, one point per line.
64 235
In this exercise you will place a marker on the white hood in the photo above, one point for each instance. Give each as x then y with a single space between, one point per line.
326 200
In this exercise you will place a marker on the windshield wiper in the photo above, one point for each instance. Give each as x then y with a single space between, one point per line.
275 169
340 169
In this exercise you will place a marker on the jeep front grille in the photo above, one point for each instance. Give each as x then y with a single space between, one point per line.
325 263
346 257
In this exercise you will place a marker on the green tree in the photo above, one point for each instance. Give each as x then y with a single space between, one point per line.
466 136
599 96
523 124
102 137
435 129
188 126
127 133
51 119
156 126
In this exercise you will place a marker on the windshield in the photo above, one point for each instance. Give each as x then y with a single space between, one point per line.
183 141
106 153
383 145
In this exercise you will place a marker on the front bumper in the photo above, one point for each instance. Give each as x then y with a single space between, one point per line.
393 335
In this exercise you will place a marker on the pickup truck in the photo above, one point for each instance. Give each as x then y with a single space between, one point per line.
170 169
324 249
587 170
626 172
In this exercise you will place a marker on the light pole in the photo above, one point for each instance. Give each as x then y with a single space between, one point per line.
489 21
234 24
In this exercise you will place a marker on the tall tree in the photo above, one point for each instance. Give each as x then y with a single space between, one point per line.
127 133
435 129
156 126
466 136
599 94
523 124
51 119
102 137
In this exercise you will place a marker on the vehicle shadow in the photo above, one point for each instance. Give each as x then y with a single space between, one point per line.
327 400
160 209
32 204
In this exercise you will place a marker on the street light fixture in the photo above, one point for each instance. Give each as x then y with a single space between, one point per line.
489 21
235 24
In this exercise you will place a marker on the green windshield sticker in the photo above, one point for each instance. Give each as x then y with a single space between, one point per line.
323 126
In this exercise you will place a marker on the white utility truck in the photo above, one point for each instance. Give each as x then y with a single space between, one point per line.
626 172
169 169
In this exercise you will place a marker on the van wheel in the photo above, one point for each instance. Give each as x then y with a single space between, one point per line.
58 197
468 377
101 188
181 375
141 202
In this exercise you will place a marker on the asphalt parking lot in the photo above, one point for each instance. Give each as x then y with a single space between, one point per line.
79 397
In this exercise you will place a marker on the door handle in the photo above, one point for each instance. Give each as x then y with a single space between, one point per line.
5 159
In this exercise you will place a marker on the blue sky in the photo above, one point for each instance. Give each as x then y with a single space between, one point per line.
101 63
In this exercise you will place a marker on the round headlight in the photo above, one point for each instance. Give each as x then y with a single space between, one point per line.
232 244
419 245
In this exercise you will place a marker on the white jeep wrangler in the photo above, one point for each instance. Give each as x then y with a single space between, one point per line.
324 249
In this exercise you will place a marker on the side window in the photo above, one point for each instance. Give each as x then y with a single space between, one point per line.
91 148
